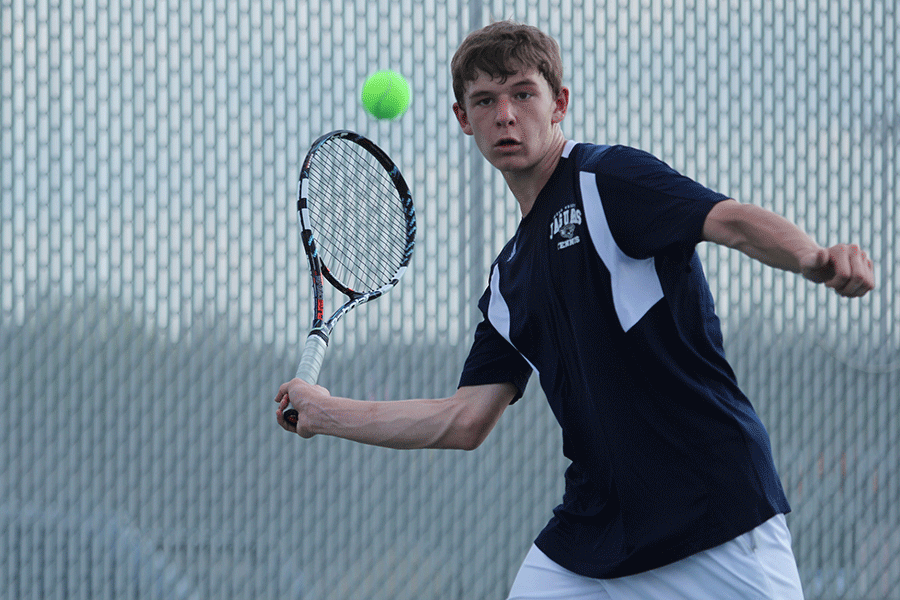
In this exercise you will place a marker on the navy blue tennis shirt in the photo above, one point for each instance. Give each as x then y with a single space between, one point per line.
602 295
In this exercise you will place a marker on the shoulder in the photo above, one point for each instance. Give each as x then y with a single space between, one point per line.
630 171
614 160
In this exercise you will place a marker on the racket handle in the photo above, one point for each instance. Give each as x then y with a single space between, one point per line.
308 370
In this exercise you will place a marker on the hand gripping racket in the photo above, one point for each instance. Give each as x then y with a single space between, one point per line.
358 228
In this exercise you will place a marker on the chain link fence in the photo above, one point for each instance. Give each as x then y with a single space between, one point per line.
153 293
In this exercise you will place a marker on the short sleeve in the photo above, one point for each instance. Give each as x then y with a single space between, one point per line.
492 359
650 207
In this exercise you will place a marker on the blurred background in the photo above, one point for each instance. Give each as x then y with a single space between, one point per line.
153 293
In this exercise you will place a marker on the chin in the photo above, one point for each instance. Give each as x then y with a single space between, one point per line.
517 158
511 164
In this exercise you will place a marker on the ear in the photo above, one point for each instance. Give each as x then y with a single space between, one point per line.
561 107
463 119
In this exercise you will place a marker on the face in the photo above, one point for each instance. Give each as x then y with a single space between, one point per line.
515 122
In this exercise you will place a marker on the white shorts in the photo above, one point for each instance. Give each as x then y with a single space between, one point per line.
758 565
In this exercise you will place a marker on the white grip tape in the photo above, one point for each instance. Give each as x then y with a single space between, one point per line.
311 361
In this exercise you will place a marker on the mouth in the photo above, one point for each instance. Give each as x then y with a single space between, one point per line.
507 143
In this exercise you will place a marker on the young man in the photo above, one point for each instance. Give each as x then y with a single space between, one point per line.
672 492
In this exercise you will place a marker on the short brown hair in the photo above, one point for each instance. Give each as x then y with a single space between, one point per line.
500 50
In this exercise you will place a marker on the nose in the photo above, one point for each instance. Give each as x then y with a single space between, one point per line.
505 113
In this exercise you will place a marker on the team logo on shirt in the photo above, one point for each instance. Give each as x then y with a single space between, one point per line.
564 225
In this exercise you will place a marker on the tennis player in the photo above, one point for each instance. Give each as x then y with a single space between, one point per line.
672 492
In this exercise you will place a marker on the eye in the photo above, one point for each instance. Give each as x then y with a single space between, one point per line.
484 101
523 95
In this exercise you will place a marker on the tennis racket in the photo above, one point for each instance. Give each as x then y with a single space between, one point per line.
358 228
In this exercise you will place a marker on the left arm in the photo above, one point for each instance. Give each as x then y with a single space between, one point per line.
775 241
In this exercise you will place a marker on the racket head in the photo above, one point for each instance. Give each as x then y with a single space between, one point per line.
357 219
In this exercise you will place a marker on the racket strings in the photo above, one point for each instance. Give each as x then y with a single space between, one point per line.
368 232
358 218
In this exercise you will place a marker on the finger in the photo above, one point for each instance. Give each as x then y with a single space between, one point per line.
862 278
282 391
857 281
863 265
859 278
854 289
840 259
866 285
279 417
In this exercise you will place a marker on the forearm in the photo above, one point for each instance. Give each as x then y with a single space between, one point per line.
775 241
461 421
404 424
760 234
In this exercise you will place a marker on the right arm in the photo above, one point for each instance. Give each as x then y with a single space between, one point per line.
461 421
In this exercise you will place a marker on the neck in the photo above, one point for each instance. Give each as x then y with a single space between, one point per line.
527 185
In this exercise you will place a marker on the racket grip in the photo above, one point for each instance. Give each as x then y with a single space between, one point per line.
308 370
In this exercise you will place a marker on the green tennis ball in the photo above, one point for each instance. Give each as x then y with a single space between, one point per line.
385 95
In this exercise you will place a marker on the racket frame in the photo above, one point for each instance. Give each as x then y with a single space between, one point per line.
320 332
